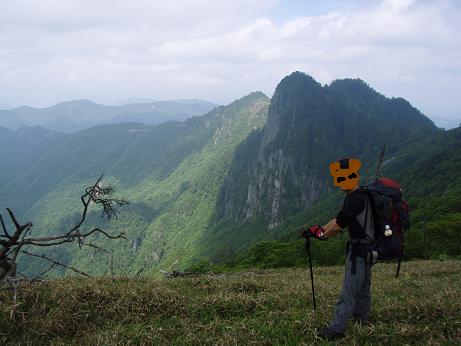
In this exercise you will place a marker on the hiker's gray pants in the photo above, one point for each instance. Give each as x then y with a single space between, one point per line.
355 297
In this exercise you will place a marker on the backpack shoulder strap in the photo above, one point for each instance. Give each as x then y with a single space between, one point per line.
366 219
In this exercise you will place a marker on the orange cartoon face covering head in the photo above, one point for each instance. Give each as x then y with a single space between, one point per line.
346 173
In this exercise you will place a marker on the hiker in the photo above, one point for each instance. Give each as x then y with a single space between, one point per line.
355 297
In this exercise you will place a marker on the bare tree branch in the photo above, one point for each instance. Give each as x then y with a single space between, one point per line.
13 218
12 244
74 235
4 228
111 261
67 240
46 271
98 248
138 273
21 243
55 262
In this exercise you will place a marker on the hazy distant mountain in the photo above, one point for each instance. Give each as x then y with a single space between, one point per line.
197 102
4 106
133 100
77 115
446 123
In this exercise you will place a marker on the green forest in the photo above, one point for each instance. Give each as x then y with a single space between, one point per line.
227 190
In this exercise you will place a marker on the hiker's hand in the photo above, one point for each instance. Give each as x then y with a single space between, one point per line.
312 232
304 232
317 232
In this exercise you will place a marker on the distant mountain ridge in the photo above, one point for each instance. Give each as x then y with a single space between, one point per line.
73 116
446 123
4 106
212 185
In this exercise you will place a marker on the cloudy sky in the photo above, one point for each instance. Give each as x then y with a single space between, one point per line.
112 50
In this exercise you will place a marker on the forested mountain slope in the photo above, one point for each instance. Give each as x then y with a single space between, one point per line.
18 147
283 169
210 187
170 173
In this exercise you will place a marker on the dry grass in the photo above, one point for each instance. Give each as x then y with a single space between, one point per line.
423 306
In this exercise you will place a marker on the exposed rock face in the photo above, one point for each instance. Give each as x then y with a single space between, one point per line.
276 171
286 164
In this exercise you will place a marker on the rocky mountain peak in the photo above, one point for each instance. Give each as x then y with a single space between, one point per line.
308 127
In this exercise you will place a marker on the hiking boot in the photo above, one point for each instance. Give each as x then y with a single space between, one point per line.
329 334
358 320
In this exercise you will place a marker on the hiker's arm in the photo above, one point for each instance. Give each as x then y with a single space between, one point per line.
331 229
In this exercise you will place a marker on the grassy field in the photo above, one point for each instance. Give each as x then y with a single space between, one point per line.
267 307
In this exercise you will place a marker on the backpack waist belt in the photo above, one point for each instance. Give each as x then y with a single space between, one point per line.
360 248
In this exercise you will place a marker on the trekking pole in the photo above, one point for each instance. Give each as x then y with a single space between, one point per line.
380 163
308 251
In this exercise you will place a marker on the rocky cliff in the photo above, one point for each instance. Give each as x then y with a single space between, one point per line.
285 165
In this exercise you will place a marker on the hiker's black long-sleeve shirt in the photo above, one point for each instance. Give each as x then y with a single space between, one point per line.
354 203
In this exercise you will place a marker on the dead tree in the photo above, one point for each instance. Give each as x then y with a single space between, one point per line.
13 244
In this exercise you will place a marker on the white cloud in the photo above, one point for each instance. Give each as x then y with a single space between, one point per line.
106 50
